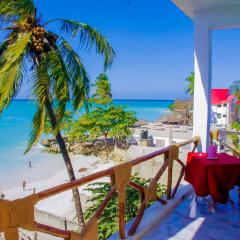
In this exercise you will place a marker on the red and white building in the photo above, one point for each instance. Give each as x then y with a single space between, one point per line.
223 107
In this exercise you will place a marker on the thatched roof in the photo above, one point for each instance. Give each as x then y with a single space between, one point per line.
171 117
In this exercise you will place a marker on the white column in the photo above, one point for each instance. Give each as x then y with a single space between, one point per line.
202 86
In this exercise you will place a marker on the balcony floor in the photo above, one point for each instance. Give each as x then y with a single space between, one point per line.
193 221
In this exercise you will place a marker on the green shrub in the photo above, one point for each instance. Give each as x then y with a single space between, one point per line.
236 126
235 138
108 223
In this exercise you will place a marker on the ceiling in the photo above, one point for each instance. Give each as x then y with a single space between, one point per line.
191 7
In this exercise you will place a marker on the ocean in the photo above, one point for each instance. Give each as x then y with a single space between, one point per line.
15 127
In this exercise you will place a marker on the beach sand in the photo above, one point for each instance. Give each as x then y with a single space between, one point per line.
50 174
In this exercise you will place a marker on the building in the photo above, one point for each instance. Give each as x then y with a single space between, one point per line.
223 107
163 135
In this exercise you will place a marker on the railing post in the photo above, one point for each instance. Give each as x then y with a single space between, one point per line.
172 155
196 143
214 135
166 159
17 214
122 174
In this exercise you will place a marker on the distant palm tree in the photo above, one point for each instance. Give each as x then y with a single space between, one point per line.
57 73
190 87
235 89
103 93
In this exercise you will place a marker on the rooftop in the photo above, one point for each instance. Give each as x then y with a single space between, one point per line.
164 131
220 96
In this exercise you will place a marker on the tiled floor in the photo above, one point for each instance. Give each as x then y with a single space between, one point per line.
193 221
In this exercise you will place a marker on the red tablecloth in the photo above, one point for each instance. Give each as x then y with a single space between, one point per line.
213 177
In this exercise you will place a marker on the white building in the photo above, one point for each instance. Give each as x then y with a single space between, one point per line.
223 107
165 135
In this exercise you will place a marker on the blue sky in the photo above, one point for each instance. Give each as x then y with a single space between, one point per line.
154 45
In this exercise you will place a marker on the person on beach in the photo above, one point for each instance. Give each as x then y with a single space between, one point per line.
24 185
30 164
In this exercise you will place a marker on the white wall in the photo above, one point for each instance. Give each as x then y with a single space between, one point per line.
202 83
226 112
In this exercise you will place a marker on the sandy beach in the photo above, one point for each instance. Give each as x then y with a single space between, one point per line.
49 174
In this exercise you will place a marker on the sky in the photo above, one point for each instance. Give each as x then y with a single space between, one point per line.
153 41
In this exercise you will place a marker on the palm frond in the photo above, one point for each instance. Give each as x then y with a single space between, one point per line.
37 127
42 84
20 9
61 80
9 39
12 69
89 38
79 79
41 91
189 89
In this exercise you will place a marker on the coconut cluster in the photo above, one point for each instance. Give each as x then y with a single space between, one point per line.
38 38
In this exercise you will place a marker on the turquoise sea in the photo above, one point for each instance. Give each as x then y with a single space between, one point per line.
15 126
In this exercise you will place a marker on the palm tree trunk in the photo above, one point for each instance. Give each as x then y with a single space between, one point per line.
65 155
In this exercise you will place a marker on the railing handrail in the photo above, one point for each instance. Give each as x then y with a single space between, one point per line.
231 148
230 132
170 154
104 173
217 136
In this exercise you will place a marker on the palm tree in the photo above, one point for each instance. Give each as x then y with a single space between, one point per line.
190 87
57 73
103 93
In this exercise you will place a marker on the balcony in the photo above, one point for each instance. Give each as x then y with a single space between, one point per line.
175 216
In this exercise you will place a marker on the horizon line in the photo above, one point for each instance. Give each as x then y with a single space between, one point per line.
116 99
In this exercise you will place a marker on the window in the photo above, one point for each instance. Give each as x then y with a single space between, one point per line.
224 115
219 106
218 115
224 104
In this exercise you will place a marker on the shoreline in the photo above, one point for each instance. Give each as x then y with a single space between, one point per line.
43 178
44 166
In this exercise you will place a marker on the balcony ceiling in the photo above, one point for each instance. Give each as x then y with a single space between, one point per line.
191 7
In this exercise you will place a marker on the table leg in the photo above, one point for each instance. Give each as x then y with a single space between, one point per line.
239 196
232 203
209 203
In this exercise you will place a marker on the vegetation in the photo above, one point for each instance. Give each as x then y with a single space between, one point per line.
236 126
183 105
235 141
112 121
57 72
65 126
103 118
235 138
103 93
108 223
190 84
172 106
235 89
